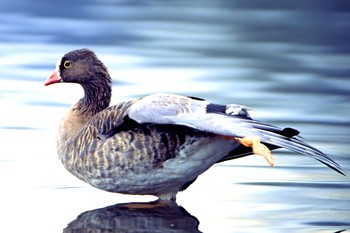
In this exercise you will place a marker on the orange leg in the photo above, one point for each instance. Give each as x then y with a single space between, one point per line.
258 148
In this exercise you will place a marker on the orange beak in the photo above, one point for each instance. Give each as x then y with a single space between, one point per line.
54 78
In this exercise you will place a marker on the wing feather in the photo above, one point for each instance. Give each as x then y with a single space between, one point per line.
295 143
233 121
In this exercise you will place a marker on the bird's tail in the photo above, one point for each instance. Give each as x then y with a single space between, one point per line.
274 137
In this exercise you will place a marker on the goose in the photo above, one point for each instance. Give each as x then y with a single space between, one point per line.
158 144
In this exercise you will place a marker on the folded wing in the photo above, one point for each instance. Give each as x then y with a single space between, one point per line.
229 120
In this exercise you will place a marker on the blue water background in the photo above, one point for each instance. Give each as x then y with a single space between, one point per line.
288 60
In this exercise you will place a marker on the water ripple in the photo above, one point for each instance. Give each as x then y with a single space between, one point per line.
322 185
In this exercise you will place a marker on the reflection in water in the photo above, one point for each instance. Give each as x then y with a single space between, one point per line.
157 216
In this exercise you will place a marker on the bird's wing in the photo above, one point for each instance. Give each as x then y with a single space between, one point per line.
229 120
192 112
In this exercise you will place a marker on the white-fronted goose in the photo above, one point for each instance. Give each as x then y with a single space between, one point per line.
158 144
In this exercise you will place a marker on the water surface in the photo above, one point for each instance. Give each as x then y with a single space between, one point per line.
289 61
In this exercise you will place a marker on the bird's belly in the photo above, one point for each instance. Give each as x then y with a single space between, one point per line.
169 177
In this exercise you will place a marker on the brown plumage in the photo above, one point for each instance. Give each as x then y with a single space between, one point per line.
158 144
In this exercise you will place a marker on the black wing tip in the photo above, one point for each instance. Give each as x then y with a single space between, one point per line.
334 168
216 108
292 134
289 132
196 98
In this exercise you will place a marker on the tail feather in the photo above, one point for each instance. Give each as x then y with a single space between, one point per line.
274 137
299 145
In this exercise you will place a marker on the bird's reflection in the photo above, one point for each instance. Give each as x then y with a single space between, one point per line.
157 216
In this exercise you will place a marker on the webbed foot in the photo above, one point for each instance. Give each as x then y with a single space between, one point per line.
258 148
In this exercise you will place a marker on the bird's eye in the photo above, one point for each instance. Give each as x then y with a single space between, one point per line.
67 64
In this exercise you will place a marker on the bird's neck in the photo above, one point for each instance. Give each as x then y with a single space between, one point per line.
96 98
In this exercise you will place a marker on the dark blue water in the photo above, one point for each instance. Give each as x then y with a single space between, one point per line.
288 60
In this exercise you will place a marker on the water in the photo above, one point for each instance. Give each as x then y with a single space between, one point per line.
287 60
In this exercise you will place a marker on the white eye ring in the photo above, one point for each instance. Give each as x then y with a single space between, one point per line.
67 64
